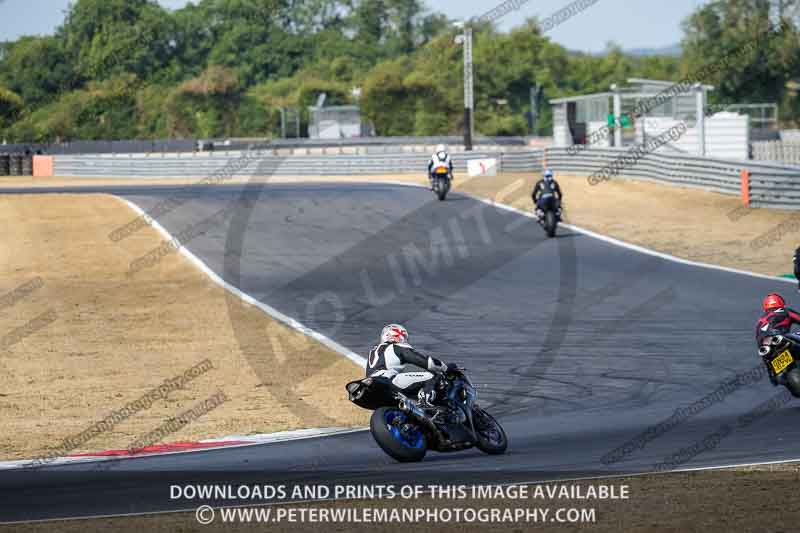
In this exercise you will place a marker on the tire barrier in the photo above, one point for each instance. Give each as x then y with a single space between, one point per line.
27 165
5 165
15 161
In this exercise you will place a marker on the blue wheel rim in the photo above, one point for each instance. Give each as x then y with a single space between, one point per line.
412 439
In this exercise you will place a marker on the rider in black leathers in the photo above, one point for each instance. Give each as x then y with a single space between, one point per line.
546 185
797 267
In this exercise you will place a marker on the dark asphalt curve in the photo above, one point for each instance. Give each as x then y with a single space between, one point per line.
577 345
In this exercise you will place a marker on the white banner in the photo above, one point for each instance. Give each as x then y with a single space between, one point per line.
482 167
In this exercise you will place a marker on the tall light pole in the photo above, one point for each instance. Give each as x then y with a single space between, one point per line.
469 104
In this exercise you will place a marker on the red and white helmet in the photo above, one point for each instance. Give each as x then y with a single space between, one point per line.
773 301
394 333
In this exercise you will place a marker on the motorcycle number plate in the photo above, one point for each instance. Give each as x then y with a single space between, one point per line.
782 361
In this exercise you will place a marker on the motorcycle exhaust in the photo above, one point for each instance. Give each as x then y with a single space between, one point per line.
419 415
409 408
763 351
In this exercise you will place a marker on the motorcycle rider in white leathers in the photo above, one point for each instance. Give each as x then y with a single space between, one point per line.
439 158
389 359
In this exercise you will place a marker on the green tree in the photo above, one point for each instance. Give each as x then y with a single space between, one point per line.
716 35
10 107
36 68
206 106
107 38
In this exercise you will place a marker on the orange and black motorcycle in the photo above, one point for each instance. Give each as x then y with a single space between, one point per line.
440 181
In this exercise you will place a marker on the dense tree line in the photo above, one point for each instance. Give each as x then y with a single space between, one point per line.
132 69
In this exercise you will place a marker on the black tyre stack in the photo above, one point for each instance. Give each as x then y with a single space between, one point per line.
5 165
27 165
16 165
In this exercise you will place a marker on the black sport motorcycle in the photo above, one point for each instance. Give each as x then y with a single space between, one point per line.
440 181
405 430
781 354
549 213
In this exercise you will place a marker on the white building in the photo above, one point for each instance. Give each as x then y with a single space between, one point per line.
648 108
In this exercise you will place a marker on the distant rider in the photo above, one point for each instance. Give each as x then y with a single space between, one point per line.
439 158
797 267
776 320
546 185
389 359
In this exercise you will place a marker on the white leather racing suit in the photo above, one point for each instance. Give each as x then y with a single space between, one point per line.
439 159
389 360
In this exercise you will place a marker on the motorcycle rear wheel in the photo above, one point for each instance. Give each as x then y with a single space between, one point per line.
793 382
442 189
405 447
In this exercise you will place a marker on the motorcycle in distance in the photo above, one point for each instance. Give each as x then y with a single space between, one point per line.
549 213
440 181
780 354
406 431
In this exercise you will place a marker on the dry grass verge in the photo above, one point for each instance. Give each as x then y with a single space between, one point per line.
111 339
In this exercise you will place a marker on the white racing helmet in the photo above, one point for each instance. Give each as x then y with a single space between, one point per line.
394 333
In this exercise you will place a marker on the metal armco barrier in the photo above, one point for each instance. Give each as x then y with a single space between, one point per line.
246 163
770 185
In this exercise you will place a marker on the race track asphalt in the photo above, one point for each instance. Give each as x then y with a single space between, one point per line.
577 345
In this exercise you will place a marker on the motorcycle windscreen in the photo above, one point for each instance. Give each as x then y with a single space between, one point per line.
370 393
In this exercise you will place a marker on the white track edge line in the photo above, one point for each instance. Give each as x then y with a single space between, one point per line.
274 313
216 278
606 238
638 248
294 324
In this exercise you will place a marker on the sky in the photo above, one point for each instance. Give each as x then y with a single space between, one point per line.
629 23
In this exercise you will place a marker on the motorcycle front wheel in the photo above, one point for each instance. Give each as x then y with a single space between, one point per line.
550 223
492 438
397 435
